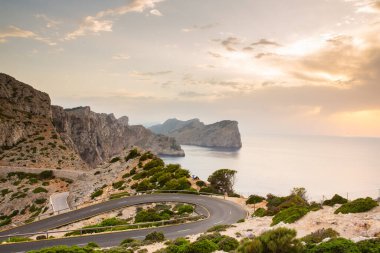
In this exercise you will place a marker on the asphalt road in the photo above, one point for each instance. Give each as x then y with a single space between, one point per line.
221 212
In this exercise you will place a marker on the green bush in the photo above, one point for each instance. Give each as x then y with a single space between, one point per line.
118 184
19 239
337 245
39 190
40 201
132 154
357 206
5 221
202 246
290 215
369 246
200 183
185 209
64 249
336 199
96 193
46 174
146 156
260 212
92 245
319 235
219 228
155 237
228 244
280 240
254 199
115 159
157 162
144 185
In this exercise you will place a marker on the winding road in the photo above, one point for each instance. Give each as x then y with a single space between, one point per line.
219 211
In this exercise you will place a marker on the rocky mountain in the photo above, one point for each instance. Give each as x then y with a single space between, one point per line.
27 136
222 134
98 136
35 134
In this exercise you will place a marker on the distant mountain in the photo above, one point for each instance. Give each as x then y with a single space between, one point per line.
222 134
35 134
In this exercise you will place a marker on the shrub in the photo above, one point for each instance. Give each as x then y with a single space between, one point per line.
96 193
254 199
357 206
41 237
132 154
241 221
369 246
154 163
278 240
319 235
92 245
260 212
64 249
19 239
144 185
228 244
40 201
290 215
146 156
219 228
155 237
115 159
337 245
222 180
200 183
46 174
39 190
185 209
202 246
5 221
118 184
336 199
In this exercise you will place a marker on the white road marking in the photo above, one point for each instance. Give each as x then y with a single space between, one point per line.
62 219
184 230
82 244
94 209
218 222
230 212
137 237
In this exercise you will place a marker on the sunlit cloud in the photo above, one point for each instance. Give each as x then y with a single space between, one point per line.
16 32
50 23
121 57
103 20
155 12
199 27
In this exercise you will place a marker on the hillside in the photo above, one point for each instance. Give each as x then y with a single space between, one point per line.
37 135
222 134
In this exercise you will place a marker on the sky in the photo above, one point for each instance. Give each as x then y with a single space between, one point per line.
281 67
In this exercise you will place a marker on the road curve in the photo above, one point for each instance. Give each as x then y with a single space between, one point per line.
221 212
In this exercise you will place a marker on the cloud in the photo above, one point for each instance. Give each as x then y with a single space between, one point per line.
16 32
103 20
230 43
265 42
155 12
191 94
50 23
199 27
148 75
216 55
121 57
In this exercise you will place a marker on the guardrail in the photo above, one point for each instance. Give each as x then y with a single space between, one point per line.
82 231
51 214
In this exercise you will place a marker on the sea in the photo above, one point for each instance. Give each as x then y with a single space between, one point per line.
323 165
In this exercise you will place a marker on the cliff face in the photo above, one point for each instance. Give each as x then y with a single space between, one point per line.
27 135
35 134
98 136
223 134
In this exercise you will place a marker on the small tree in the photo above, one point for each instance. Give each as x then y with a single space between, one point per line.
299 191
222 181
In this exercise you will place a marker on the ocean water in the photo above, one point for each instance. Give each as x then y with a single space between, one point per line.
277 163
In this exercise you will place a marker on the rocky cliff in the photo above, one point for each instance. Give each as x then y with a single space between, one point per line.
35 134
98 136
27 135
222 134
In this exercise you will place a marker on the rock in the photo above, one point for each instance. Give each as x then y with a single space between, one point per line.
35 134
98 136
222 134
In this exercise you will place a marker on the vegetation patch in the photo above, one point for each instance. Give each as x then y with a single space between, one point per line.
290 215
219 228
357 206
319 235
254 199
39 190
96 193
336 199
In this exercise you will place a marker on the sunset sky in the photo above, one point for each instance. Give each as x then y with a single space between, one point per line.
292 67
